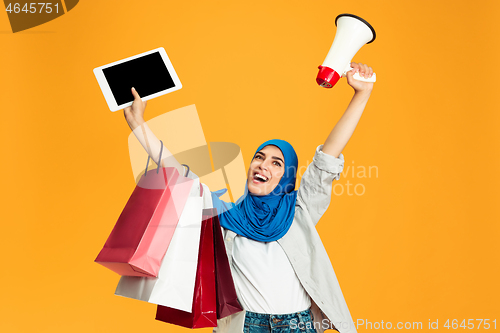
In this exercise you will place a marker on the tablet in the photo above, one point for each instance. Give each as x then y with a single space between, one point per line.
150 73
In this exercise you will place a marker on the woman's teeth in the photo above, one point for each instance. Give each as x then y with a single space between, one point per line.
260 178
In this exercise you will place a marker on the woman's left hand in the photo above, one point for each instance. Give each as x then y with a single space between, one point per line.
364 71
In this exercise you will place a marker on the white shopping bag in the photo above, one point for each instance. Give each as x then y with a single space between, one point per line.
174 286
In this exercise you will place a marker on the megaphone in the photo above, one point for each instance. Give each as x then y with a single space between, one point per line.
352 33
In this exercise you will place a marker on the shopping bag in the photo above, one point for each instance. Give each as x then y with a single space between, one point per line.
174 286
227 300
214 294
146 225
204 308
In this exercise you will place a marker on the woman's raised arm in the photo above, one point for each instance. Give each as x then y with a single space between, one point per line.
346 125
134 115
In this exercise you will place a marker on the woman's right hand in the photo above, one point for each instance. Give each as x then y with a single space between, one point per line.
134 114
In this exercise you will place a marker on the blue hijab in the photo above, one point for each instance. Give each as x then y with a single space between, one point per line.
263 218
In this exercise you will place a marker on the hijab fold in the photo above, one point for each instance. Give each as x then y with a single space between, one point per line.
263 218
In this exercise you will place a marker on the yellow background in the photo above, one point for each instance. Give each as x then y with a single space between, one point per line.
422 241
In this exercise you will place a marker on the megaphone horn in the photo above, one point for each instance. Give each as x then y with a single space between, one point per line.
352 33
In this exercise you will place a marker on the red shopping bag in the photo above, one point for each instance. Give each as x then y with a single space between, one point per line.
214 294
227 300
146 225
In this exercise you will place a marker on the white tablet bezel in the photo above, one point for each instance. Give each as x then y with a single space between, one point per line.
106 90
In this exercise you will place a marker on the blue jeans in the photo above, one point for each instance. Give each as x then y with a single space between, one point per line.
299 322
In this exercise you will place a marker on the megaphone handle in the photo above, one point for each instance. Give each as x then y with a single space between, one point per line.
358 77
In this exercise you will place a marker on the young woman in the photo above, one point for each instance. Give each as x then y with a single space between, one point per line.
283 277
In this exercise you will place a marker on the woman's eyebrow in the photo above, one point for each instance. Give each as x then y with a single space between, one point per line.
274 157
277 158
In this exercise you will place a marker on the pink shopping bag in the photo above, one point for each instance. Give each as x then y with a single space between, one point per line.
146 225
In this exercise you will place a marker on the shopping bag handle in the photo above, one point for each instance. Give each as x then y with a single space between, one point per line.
159 162
187 172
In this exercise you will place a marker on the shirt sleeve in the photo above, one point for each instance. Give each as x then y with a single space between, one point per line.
315 190
220 205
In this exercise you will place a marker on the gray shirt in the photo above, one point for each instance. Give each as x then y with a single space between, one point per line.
306 252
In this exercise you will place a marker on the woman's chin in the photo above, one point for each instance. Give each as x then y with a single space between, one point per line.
255 190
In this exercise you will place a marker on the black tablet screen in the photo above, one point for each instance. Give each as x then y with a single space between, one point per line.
147 74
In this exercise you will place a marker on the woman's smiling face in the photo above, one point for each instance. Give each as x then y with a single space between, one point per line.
266 170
